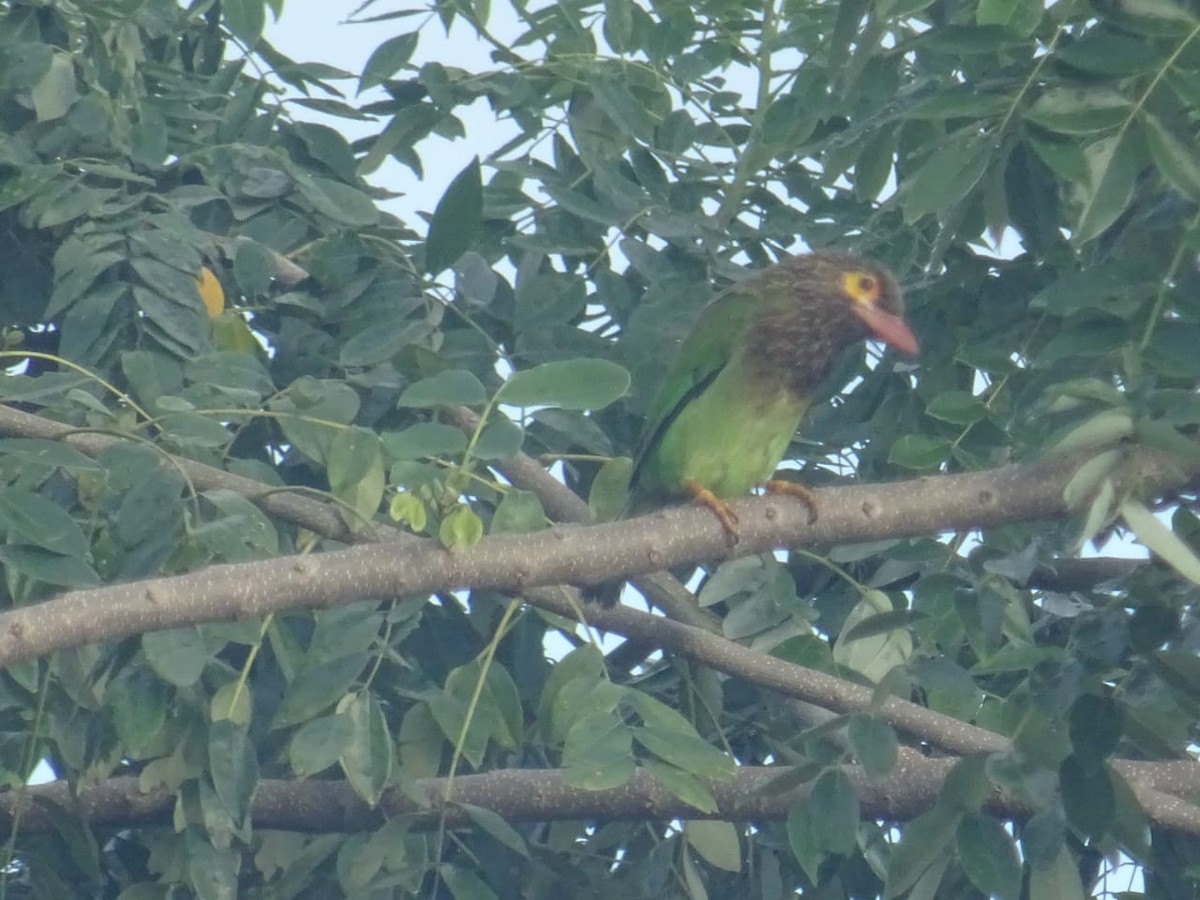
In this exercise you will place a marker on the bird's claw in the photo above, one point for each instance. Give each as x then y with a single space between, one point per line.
799 491
722 510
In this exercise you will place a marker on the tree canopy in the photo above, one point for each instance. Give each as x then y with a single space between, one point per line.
296 494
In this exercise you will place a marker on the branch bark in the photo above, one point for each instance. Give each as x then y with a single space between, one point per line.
543 795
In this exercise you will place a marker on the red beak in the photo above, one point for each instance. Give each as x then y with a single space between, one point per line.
887 327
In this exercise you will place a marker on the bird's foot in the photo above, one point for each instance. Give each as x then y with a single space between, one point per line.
725 515
797 490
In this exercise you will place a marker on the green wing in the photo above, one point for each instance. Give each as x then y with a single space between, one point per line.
707 349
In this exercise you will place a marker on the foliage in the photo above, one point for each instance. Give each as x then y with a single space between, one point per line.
1031 174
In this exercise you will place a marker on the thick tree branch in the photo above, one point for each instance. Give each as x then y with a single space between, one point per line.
522 795
288 505
562 504
586 554
578 555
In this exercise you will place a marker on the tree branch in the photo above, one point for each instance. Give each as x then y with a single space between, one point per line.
543 795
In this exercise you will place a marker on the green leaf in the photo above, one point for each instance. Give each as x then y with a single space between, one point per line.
989 857
834 803
569 384
1087 796
1059 881
33 519
1176 159
451 388
717 842
456 221
465 884
1112 173
245 18
609 493
495 826
948 175
355 470
318 743
139 701
233 763
367 757
1021 16
501 438
874 744
925 844
425 440
919 451
1079 110
178 656
49 568
318 686
956 407
598 752
875 656
519 512
387 59
460 529
1160 540
684 785
35 451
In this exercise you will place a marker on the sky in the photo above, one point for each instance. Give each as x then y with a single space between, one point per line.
321 32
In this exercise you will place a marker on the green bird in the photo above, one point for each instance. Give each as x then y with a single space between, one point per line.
745 375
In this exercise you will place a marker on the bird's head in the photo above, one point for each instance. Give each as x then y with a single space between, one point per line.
874 299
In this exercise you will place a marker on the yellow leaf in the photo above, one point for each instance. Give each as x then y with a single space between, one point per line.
210 292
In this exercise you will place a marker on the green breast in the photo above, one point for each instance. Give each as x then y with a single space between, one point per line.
728 439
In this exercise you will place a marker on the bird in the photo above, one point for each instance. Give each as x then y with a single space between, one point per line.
745 374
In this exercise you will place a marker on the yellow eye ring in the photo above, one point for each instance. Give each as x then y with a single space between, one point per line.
861 287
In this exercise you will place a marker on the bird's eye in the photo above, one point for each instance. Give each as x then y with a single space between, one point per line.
867 284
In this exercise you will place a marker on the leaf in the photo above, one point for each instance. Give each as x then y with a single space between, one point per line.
925 843
456 221
492 823
233 764
598 752
1101 430
519 512
1079 110
1059 881
387 59
32 519
568 384
178 656
609 493
245 18
874 744
919 451
1176 159
451 388
49 568
317 687
426 440
355 470
989 857
873 657
956 407
461 529
501 438
1160 540
948 175
318 743
684 785
367 757
716 841
1087 797
1021 16
1112 172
